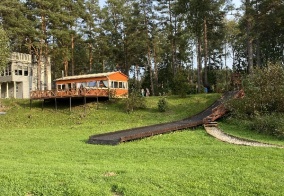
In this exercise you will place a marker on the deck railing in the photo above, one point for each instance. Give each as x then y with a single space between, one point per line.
81 92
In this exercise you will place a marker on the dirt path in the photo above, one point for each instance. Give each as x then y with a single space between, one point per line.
220 135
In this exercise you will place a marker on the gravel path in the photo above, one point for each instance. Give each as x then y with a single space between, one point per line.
220 135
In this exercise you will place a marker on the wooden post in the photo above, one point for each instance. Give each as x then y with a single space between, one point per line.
30 104
70 104
85 105
97 101
55 104
42 104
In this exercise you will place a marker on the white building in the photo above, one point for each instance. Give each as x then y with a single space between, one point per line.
20 76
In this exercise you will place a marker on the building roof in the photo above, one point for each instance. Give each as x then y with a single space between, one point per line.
89 76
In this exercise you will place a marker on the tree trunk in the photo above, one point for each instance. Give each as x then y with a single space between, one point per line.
65 67
39 83
155 66
199 65
149 57
90 57
249 38
205 52
150 71
258 58
72 55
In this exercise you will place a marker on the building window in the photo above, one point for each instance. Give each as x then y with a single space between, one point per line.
8 69
26 73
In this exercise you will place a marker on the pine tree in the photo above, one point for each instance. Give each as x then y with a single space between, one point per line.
14 22
4 49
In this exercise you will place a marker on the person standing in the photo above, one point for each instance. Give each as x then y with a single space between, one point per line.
147 92
142 92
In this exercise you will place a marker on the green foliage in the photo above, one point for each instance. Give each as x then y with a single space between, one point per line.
4 48
267 35
269 124
162 104
263 102
135 101
272 124
222 80
180 84
264 91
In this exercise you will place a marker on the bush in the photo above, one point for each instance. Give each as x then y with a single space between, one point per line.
271 124
263 103
162 104
264 91
135 101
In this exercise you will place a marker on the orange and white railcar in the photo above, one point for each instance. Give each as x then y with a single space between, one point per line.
110 84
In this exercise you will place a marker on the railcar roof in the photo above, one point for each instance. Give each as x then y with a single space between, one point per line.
87 76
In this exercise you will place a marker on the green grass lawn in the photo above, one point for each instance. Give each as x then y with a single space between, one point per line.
45 153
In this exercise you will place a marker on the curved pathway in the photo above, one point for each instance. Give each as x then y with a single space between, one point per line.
220 135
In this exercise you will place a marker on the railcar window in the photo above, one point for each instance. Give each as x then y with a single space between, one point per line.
115 84
92 84
102 84
73 85
81 85
61 86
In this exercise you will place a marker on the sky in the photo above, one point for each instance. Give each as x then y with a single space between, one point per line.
236 2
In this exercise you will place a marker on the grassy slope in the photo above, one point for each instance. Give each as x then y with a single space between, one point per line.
45 153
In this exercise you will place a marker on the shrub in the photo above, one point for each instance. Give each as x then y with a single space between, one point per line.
135 101
271 124
263 102
264 91
162 104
